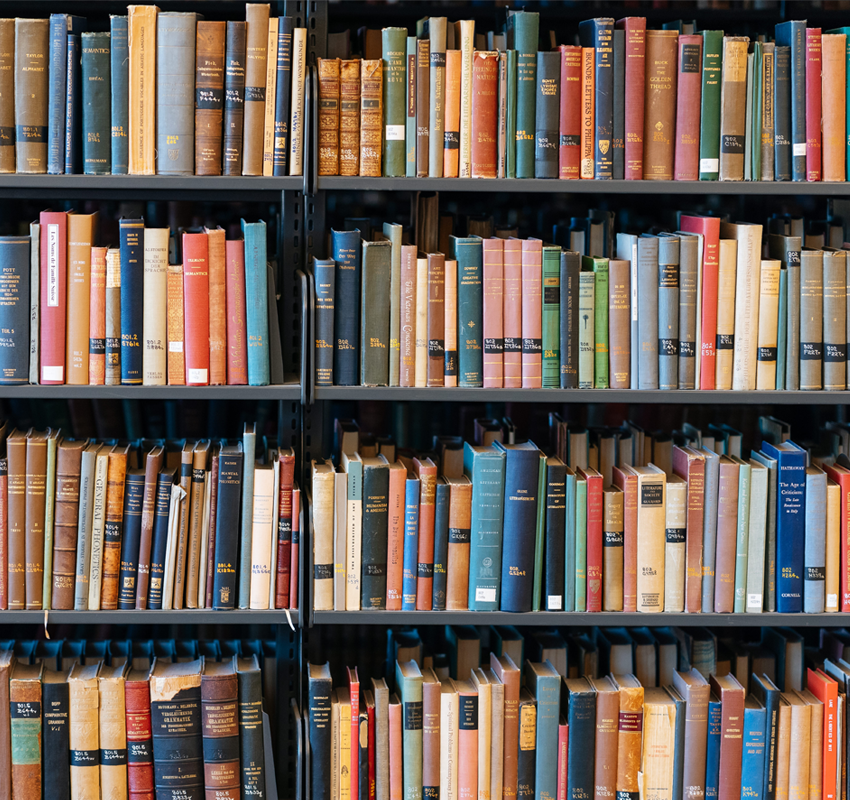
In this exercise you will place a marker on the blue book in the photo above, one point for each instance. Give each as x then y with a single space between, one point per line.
346 251
468 251
545 684
753 755
712 749
485 468
134 489
522 476
132 242
410 563
764 690
323 277
283 90
73 107
159 539
119 78
256 301
814 581
15 309
790 524
570 542
56 95
599 33
580 558
793 34
441 545
581 718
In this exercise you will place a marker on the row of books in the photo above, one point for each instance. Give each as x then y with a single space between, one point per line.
117 729
638 522
623 103
495 728
713 305
91 525
78 313
165 93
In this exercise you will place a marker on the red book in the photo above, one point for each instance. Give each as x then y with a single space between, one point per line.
841 475
370 717
485 113
237 331
689 91
218 305
731 695
627 481
594 538
396 782
494 337
814 103
512 316
354 691
137 703
532 309
635 28
569 150
426 471
52 271
196 308
563 744
825 689
690 465
284 530
296 543
4 534
709 228
210 566
395 538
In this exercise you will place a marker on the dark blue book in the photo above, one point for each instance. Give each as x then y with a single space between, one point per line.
782 114
410 563
96 82
159 536
790 524
522 473
441 545
345 246
581 718
15 309
283 92
712 749
120 76
373 569
469 253
599 33
324 282
556 517
73 109
793 34
134 490
230 463
131 237
753 755
60 26
767 694
618 143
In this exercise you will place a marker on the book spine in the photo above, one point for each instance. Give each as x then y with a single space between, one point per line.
56 93
119 74
296 115
782 105
768 110
349 117
4 542
393 52
648 264
487 472
283 94
668 313
834 106
790 532
811 320
220 731
227 520
254 104
619 346
603 104
395 538
532 297
688 109
113 530
176 726
600 323
709 139
467 50
618 141
159 541
371 118
320 732
834 321
113 736
586 346
731 743
451 134
329 116
17 526
323 275
521 480
256 298
650 543
510 114
132 234
133 497
814 115
569 122
209 96
587 78
196 310
437 75
767 332
137 713
407 319
234 97
285 526
65 528
36 497
468 735
7 89
594 543
84 736
436 318
689 273
675 536
494 342
660 115
612 552
14 284
635 28
425 559
155 307
236 326
411 544
56 741
470 315
175 326
423 68
512 314
582 744
526 28
814 558
142 34
485 114
96 93
80 234
373 585
546 133
782 330
217 267
54 236
31 94
569 327
98 524
797 43
556 510
73 108
375 326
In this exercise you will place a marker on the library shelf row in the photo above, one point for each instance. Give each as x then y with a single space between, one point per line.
185 616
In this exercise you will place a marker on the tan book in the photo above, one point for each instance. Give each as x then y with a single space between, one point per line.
650 538
155 315
431 724
174 326
833 544
676 524
629 727
768 318
261 536
783 751
84 730
497 736
113 731
81 235
371 118
329 116
181 546
508 675
323 478
465 37
485 731
31 73
607 736
612 548
101 473
196 560
816 745
296 114
659 725
448 741
800 746
349 117
114 524
733 107
257 39
271 91
726 313
141 25
834 319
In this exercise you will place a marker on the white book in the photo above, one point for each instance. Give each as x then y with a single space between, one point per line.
322 510
340 538
726 278
154 321
757 534
768 328
271 91
448 740
35 274
296 126
467 45
84 526
420 371
275 522
176 509
261 536
650 538
676 524
98 527
205 544
353 467
833 544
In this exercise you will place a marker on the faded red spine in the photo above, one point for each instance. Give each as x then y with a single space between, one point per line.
627 481
512 317
296 546
532 308
284 532
594 540
494 338
137 701
569 149
196 308
635 28
689 91
814 104
53 268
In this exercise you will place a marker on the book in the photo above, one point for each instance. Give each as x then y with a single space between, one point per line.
142 52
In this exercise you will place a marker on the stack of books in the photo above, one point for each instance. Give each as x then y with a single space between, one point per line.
622 102
615 519
159 92
91 525
80 314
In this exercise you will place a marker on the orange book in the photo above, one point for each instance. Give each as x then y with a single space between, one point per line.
81 229
218 306
826 690
834 105
97 317
426 471
587 129
176 356
451 145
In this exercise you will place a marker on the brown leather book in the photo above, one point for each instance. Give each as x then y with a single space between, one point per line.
733 107
834 68
629 728
607 736
114 525
695 691
257 17
612 548
196 562
220 729
84 700
176 350
460 524
81 235
371 118
7 660
32 53
186 464
112 723
436 318
209 96
659 125
731 695
619 322
16 452
485 113
7 106
727 535
218 305
423 105
349 117
67 501
329 87
234 97
25 708
36 491
154 462
817 769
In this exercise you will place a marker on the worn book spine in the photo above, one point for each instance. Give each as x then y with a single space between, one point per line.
371 117
733 108
132 234
587 77
296 115
84 730
119 73
134 490
67 501
814 110
113 732
727 527
569 118
31 94
689 274
709 144
546 134
686 167
725 346
660 109
494 342
425 561
811 319
282 100
650 540
423 68
7 95
36 496
532 306
209 95
586 346
834 320
635 78
114 528
254 104
137 708
375 326
15 287
407 318
451 133
834 106
467 49
4 552
349 117
619 308
142 78
328 71
236 320
437 94
393 52
485 114
767 332
668 313
175 326
436 322
768 112
599 34
469 255
153 464
525 32
285 527
96 94
234 97
270 93
220 730
648 264
217 266
814 563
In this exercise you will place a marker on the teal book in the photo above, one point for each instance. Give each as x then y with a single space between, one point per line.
581 544
393 55
846 31
570 542
256 289
743 536
408 680
485 468
410 108
510 135
545 684
782 327
551 316
539 537
599 266
709 131
753 751
523 34
468 251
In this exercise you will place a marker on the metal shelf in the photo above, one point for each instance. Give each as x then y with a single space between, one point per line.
571 619
542 186
286 391
652 396
186 616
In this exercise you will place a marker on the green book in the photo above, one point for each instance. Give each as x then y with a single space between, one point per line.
540 537
551 316
49 504
782 326
586 354
510 134
709 129
469 253
846 31
743 536
393 56
375 325
581 542
410 108
408 681
599 266
523 34
758 106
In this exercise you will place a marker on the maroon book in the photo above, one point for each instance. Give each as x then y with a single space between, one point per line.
137 703
594 539
296 546
731 695
635 28
686 165
569 148
813 104
284 530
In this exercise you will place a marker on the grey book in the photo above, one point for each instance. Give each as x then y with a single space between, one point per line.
648 311
249 448
175 92
375 318
668 312
787 250
393 232
382 739
688 280
627 250
811 319
770 532
436 27
814 557
709 526
84 527
834 319
759 475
